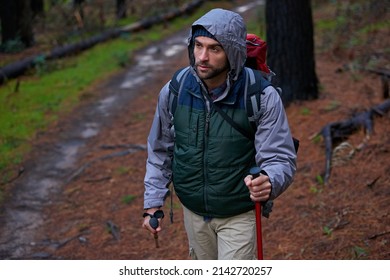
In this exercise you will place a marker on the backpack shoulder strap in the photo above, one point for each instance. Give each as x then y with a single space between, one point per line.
254 86
175 87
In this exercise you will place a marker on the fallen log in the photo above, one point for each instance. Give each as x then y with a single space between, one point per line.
336 132
18 68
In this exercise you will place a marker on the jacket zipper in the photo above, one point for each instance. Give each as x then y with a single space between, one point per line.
205 155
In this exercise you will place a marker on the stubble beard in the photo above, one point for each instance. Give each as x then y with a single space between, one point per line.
211 72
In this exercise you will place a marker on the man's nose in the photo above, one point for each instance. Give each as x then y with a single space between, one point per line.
203 55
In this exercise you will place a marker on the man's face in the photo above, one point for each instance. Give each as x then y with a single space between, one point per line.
211 62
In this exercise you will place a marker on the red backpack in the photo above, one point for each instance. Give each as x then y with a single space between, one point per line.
257 55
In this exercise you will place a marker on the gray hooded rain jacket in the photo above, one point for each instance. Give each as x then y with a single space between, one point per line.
274 149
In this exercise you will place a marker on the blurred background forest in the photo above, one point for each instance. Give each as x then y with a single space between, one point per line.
50 23
46 24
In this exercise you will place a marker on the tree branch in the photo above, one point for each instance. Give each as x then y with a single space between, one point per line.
338 131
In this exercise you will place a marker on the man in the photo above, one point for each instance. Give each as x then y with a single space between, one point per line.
207 159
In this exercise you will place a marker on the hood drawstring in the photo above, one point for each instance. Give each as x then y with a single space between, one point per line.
171 204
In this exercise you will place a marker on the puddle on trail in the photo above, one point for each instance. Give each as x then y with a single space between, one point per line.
69 154
90 130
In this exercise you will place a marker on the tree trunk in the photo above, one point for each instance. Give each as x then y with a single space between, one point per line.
78 7
121 8
25 23
291 48
16 21
37 7
8 17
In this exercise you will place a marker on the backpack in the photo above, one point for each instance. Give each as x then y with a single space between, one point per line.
256 51
256 82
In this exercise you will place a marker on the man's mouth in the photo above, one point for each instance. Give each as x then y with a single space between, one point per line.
203 67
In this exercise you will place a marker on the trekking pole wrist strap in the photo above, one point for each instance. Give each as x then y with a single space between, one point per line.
159 214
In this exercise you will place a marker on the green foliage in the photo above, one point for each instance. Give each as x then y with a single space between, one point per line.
127 199
320 180
318 188
40 65
82 226
333 105
327 231
305 111
258 26
315 189
1 196
122 170
355 23
317 139
373 27
325 24
13 46
359 252
122 58
139 116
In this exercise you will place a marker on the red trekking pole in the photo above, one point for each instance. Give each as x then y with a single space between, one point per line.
255 172
259 234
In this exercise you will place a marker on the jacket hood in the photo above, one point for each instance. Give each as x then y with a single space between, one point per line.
230 31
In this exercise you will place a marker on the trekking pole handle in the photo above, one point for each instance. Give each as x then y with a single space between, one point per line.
154 223
255 172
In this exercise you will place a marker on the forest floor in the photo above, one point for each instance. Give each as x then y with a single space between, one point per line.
98 214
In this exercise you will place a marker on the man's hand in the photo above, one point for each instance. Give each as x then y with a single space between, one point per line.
259 188
146 225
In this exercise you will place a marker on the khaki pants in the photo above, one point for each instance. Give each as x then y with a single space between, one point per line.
231 238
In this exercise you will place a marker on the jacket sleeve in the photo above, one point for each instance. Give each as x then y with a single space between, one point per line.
160 152
275 152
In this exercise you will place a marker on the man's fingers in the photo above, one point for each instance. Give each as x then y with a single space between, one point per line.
258 196
248 180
